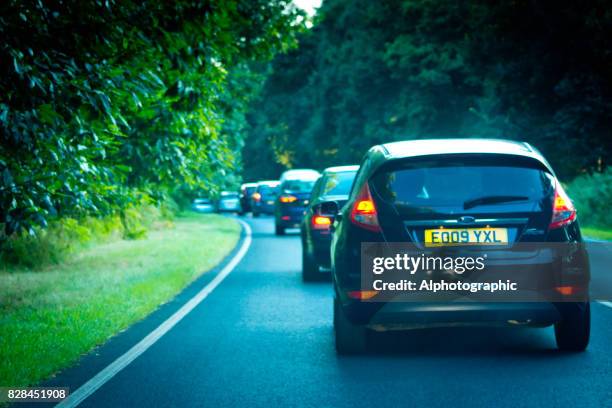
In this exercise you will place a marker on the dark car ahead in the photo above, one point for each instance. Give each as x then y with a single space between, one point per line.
333 186
246 190
436 195
262 199
294 194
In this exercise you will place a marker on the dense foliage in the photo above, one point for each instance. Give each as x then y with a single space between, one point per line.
102 98
592 195
378 71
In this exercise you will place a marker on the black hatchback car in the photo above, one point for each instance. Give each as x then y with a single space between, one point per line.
433 194
332 187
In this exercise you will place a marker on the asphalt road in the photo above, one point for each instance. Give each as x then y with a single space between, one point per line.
264 338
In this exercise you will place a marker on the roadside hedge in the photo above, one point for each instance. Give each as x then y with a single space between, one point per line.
64 236
592 195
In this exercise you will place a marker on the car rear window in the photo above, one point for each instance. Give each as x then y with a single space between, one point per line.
338 183
455 184
298 186
267 190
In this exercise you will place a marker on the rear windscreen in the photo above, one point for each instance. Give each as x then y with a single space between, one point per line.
454 186
298 186
267 190
338 183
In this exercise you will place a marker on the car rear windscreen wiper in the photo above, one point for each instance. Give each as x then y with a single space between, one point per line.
486 200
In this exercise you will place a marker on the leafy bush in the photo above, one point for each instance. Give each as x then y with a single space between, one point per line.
62 237
46 246
134 224
592 195
104 229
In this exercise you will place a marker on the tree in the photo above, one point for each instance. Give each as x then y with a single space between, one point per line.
374 72
102 98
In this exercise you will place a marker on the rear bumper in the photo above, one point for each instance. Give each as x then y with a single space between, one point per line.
408 315
289 216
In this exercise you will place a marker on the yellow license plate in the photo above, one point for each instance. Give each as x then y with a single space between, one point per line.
465 236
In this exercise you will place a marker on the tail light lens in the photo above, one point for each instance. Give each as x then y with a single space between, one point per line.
288 199
256 196
362 294
564 211
363 213
321 222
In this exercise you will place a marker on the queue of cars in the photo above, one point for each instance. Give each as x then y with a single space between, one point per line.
416 192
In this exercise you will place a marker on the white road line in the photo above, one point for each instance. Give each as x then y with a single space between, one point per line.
609 304
122 361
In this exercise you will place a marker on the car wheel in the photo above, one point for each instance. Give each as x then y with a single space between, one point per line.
573 331
310 269
278 230
350 338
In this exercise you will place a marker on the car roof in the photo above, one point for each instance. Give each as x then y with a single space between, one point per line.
340 169
300 174
248 185
271 183
424 147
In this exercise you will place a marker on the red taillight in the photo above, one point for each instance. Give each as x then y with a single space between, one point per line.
288 199
362 294
321 222
363 213
568 290
563 209
256 196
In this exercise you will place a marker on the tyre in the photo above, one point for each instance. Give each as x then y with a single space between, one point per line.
350 338
310 269
278 230
573 331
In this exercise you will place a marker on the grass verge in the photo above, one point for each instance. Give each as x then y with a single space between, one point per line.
50 317
597 233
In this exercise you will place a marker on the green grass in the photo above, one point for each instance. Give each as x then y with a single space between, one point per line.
50 317
597 233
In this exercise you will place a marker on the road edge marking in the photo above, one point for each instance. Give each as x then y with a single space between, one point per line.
97 381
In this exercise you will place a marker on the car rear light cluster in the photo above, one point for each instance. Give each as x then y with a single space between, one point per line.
288 199
564 211
363 213
362 294
256 197
321 222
